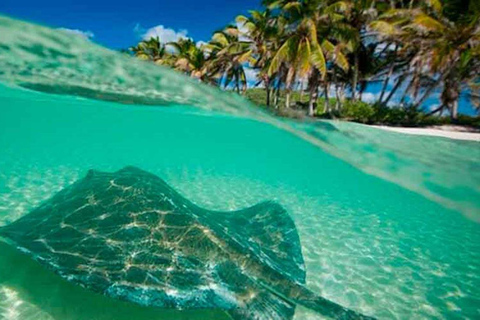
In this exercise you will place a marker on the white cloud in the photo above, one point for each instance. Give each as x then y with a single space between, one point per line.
251 75
200 43
163 33
81 33
243 32
370 97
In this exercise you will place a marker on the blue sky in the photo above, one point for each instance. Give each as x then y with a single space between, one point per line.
119 24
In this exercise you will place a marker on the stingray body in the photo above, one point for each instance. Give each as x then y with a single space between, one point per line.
130 236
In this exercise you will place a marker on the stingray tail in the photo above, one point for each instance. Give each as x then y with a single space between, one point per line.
326 307
300 295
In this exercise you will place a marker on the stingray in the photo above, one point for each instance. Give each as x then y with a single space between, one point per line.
130 236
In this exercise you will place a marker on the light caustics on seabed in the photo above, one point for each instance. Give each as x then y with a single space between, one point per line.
368 245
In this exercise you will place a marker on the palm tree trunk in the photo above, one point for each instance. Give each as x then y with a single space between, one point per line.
455 95
287 98
275 98
394 89
327 101
301 91
337 96
312 100
267 90
355 76
407 90
290 80
389 75
313 88
237 85
439 109
266 81
454 110
416 83
428 92
451 94
342 92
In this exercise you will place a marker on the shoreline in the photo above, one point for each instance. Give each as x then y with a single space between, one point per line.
445 131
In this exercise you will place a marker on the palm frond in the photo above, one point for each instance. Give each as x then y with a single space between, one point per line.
428 23
436 5
318 59
304 54
383 27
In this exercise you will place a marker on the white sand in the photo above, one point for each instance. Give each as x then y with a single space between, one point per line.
452 132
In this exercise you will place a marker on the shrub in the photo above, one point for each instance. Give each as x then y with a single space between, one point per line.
399 116
357 111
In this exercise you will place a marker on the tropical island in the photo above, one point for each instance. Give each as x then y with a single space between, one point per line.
319 58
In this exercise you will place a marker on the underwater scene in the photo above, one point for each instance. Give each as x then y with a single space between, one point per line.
133 192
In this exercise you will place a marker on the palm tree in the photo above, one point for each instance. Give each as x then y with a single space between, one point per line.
446 50
191 59
228 55
425 45
300 51
262 29
314 36
338 40
356 14
153 50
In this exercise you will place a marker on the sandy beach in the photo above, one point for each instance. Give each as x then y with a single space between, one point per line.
447 131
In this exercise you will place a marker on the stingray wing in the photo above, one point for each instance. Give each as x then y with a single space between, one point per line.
129 235
265 232
116 233
265 259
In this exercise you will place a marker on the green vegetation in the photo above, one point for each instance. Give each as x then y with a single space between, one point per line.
319 56
409 116
361 112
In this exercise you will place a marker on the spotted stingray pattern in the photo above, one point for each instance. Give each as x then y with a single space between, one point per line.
130 236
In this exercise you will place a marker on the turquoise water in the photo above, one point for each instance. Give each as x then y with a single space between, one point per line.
388 222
